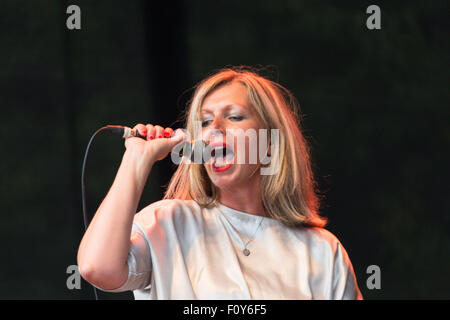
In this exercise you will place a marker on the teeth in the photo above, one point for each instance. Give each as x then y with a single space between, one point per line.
222 156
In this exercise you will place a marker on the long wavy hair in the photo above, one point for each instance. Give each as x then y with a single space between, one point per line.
289 195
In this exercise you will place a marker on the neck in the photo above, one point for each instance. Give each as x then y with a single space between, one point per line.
245 198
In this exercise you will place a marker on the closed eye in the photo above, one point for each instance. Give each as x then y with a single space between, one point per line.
205 123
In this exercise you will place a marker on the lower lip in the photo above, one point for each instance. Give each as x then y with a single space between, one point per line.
221 169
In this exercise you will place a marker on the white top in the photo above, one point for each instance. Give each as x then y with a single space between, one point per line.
182 251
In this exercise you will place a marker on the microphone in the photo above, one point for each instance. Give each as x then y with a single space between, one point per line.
188 149
123 131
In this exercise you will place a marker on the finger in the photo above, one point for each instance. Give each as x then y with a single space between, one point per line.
150 132
159 132
141 129
178 136
168 132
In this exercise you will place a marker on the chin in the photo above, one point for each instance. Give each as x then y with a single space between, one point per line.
223 182
228 180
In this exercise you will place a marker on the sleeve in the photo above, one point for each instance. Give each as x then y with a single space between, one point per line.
345 286
139 262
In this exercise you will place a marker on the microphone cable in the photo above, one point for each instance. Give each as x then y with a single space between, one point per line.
83 189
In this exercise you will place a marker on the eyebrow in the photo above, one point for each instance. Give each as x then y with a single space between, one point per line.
226 107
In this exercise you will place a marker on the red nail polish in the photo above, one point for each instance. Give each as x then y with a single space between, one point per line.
151 138
159 137
166 134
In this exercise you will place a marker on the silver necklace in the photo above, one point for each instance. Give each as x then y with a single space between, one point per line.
246 251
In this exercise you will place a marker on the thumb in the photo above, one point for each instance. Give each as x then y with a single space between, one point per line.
178 136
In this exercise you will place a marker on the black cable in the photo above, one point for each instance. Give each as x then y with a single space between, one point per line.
83 189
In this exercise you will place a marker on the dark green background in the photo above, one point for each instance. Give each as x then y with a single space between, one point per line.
375 106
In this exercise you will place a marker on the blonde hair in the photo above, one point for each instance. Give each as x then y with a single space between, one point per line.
289 195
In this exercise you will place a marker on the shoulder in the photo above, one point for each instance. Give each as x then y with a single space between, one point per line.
323 236
319 240
323 243
166 211
172 206
170 222
326 247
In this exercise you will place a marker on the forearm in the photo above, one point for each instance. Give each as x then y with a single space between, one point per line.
104 248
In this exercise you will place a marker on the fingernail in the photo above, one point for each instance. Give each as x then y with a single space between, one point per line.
151 138
166 134
159 137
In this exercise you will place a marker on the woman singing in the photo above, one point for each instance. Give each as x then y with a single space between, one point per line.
226 229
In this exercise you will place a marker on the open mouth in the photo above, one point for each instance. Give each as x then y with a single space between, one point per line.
222 158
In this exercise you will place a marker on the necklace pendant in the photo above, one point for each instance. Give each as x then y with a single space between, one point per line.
246 252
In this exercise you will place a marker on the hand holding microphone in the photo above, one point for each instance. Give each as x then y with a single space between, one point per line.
162 141
155 143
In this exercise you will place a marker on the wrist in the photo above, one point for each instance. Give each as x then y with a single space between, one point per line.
138 166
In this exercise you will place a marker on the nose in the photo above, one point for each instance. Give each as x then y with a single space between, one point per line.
215 129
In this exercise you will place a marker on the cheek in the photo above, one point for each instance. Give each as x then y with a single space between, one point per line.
247 145
201 134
